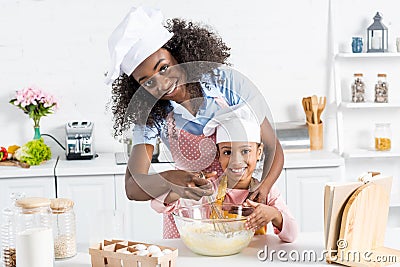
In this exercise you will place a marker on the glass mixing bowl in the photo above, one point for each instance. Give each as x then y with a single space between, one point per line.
205 233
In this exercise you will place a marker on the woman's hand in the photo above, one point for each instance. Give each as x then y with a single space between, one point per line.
261 193
191 185
262 215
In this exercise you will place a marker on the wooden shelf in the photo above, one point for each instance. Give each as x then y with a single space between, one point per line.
353 105
370 153
368 55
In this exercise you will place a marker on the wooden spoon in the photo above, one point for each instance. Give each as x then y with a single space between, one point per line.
307 108
314 107
321 107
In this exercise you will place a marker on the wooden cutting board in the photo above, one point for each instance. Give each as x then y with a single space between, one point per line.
363 224
11 162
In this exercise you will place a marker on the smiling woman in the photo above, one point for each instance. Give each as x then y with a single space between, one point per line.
168 82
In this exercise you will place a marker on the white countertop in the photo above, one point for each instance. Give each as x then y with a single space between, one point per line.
105 164
43 170
248 257
312 159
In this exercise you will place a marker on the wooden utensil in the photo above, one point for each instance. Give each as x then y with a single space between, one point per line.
321 107
11 162
307 108
314 108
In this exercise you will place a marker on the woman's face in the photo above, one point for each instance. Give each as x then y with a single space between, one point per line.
162 77
238 160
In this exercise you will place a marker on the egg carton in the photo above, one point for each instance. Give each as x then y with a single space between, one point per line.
120 253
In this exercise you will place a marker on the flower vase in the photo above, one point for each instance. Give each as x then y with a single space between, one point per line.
37 133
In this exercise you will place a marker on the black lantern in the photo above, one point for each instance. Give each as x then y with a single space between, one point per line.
377 37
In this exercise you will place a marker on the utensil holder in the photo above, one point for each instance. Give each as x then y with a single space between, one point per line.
316 133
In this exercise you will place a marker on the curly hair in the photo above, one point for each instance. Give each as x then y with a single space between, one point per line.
191 42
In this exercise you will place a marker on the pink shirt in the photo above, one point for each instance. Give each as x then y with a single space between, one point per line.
236 196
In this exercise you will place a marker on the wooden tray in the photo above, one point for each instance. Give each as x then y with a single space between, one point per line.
114 254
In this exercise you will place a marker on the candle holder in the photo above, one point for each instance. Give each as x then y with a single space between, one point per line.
377 36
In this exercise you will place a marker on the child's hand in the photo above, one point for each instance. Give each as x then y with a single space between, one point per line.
262 215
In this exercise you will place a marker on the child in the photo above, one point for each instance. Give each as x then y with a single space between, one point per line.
239 148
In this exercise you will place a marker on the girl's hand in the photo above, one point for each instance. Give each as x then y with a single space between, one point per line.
191 185
262 215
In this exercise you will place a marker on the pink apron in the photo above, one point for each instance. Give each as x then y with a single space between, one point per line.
190 153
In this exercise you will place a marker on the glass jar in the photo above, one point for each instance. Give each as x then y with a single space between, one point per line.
358 88
8 233
64 228
34 234
383 137
381 89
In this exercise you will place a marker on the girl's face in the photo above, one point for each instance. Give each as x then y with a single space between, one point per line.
162 77
238 160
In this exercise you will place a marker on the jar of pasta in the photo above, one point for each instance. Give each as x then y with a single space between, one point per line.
383 137
381 89
358 88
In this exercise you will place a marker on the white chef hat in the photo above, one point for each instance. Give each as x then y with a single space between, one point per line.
139 35
234 124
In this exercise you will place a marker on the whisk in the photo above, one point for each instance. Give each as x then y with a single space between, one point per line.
220 227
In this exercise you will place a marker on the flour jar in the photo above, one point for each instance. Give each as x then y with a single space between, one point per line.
64 228
383 136
34 234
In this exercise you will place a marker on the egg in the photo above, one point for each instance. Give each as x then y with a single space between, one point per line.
140 247
143 252
157 254
153 249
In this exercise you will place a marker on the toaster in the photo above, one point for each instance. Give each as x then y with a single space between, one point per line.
79 140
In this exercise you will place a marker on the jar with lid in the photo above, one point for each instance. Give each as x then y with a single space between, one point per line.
34 234
8 250
358 88
383 137
64 228
381 89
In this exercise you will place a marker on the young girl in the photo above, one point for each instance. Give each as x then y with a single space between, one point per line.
239 150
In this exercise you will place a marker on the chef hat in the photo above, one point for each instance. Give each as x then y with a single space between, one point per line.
237 124
139 35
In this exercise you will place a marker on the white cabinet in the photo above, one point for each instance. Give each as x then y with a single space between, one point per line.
306 175
93 195
31 186
305 195
91 185
142 222
37 181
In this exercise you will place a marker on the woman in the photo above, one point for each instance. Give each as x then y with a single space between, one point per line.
162 83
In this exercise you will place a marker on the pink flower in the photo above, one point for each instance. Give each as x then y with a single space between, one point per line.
35 102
